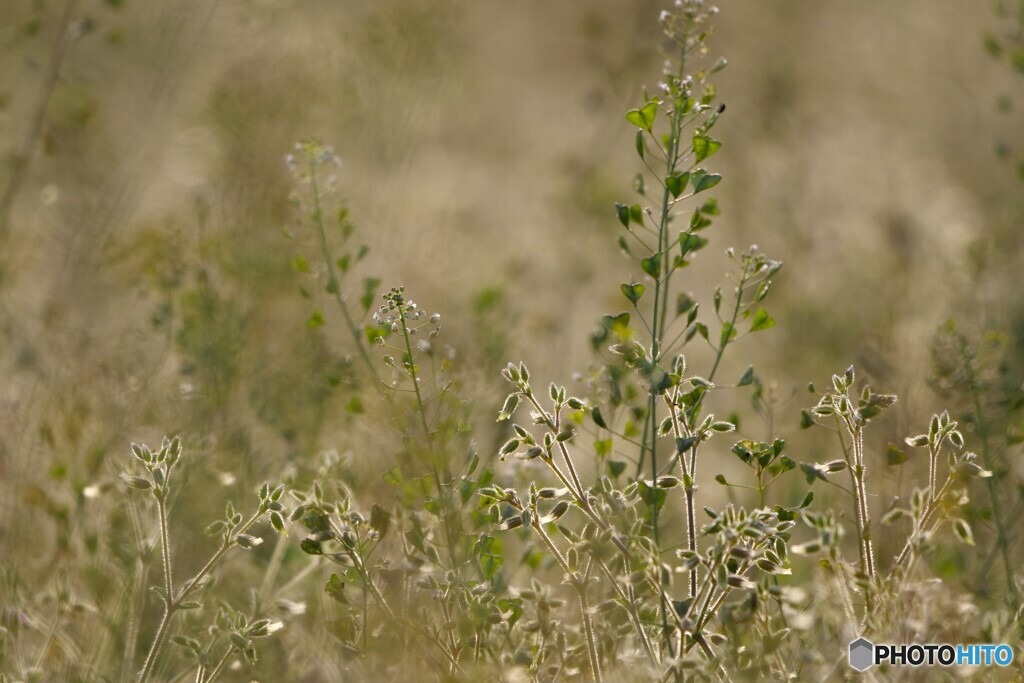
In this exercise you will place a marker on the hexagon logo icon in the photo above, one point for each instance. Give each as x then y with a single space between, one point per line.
862 654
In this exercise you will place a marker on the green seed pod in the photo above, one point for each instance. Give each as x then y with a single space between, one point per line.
559 510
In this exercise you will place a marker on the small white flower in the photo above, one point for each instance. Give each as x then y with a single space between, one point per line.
292 607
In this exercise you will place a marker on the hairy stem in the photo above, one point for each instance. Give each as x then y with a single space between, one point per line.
926 523
588 628
173 603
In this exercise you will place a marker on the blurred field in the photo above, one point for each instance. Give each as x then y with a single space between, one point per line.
146 281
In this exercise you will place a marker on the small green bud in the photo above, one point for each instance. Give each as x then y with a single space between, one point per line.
248 542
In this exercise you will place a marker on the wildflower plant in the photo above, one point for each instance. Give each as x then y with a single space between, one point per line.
651 401
231 634
444 543
598 533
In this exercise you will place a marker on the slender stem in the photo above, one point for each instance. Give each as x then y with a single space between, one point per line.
419 628
691 532
50 636
720 352
165 546
134 616
926 520
414 375
862 502
933 461
628 598
588 626
452 646
158 641
581 590
220 666
194 584
172 603
681 429
981 429
334 285
603 526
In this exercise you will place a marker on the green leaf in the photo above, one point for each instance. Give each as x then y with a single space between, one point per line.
688 242
636 214
300 264
728 334
644 116
762 291
704 146
595 414
393 476
509 407
623 213
684 302
894 456
710 207
963 531
762 321
370 285
616 468
316 319
374 332
355 406
335 588
633 292
685 443
640 143
747 378
698 221
806 420
652 266
812 472
677 183
490 564
702 180
653 496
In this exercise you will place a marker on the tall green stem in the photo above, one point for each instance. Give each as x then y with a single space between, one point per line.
981 429
333 284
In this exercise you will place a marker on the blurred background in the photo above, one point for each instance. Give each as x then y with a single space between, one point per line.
147 284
